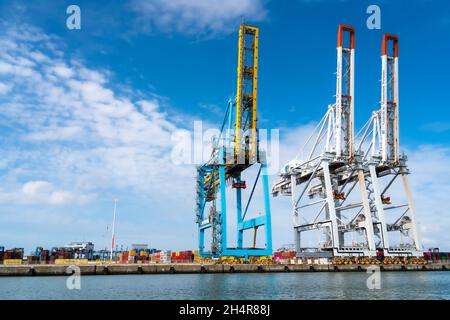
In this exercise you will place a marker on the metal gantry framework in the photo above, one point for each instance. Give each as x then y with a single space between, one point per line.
393 216
234 152
327 187
334 187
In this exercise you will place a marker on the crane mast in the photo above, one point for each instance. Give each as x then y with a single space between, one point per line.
389 100
345 86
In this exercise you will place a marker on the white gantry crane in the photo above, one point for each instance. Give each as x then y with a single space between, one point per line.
395 225
335 189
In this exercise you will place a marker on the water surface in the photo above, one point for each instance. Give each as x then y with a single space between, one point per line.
278 286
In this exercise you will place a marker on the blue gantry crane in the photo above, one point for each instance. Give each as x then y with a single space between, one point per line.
234 152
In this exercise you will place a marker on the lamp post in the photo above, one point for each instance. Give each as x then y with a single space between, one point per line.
113 229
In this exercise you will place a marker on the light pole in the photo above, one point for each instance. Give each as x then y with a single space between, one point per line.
113 229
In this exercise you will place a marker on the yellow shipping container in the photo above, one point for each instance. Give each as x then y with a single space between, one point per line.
132 252
12 261
70 261
195 253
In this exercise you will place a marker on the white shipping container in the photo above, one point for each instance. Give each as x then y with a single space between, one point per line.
165 259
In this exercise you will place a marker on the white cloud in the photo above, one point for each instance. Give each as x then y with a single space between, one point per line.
4 88
430 183
35 188
5 67
57 133
195 17
148 107
70 127
43 193
62 71
38 56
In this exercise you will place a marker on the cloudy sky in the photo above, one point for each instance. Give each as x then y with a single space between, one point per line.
90 115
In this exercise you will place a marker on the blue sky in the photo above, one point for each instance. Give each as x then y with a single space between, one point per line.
87 115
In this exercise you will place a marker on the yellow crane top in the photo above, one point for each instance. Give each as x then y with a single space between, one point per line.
246 93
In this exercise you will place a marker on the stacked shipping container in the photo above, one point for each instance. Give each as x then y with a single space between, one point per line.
12 256
284 256
182 256
436 256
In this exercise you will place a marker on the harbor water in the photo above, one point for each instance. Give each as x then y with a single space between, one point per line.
278 286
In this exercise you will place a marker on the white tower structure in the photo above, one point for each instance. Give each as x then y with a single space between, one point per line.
395 225
328 187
